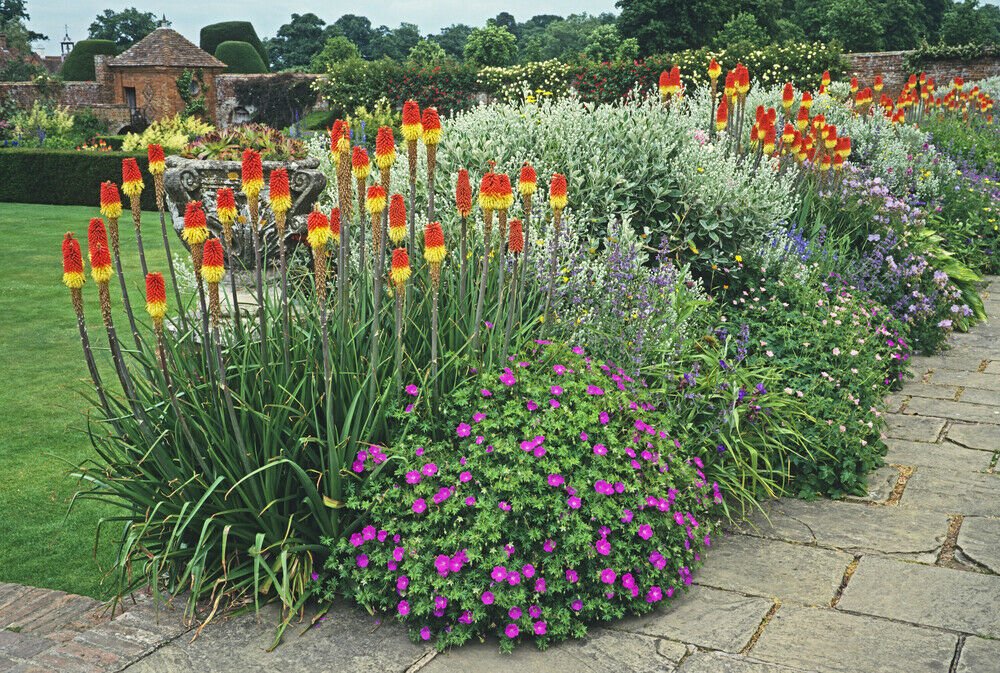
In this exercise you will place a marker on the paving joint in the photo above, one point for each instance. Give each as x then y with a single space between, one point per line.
848 573
905 472
763 625
959 646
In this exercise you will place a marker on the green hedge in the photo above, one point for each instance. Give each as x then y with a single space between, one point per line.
240 31
454 86
65 177
79 64
240 57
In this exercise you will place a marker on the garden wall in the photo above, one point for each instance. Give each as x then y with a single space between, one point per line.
892 66
229 109
74 95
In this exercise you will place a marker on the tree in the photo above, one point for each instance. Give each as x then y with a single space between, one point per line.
452 39
336 49
603 43
124 28
628 50
14 10
298 41
741 29
427 52
902 25
491 46
507 20
967 22
357 29
395 43
856 24
670 25
567 39
241 57
19 66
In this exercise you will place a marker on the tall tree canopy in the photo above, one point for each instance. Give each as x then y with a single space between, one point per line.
124 28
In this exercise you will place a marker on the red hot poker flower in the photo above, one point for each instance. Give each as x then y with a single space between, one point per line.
319 229
515 239
131 178
787 97
156 296
195 229
714 70
335 224
361 165
111 202
412 128
527 183
557 192
401 271
72 262
279 192
157 161
97 245
252 173
213 265
385 148
225 205
434 249
432 126
397 218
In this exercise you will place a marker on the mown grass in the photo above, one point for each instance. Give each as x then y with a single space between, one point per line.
43 379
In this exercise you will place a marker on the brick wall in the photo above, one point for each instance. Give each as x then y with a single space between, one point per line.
891 65
74 95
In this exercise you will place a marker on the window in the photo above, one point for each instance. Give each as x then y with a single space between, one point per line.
130 97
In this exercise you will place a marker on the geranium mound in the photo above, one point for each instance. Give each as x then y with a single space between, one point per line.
553 503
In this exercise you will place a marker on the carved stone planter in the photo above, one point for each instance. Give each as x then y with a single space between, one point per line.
198 179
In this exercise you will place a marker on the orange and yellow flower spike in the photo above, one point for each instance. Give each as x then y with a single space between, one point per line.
73 275
319 230
100 255
279 192
336 134
400 271
252 174
111 203
131 178
878 83
489 192
412 127
714 70
722 115
505 194
156 298
431 124
558 192
385 148
361 165
807 101
157 162
375 200
225 205
434 248
195 229
397 218
787 97
825 79
463 194
213 264
527 182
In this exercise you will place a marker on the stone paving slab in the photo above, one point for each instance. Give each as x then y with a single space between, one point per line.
955 377
776 569
914 428
603 651
945 456
930 596
982 437
969 493
830 641
854 527
960 411
989 398
880 485
717 662
706 617
993 367
979 542
931 391
348 640
979 656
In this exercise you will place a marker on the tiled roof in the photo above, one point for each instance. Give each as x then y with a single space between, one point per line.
165 46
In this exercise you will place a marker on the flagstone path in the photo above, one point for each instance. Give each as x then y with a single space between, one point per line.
905 580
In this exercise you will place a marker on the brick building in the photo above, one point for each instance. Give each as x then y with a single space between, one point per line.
144 77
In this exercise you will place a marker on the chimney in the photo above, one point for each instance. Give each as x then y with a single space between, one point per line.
101 73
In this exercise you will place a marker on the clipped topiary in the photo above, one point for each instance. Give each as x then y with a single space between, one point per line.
240 57
79 65
556 501
236 31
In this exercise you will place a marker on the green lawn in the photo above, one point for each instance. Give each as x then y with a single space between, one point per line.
42 411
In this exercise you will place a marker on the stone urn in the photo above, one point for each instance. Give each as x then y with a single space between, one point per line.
188 180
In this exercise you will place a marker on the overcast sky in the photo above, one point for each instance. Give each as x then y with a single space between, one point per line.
50 16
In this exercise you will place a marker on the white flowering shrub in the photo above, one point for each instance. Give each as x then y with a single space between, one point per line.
540 79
